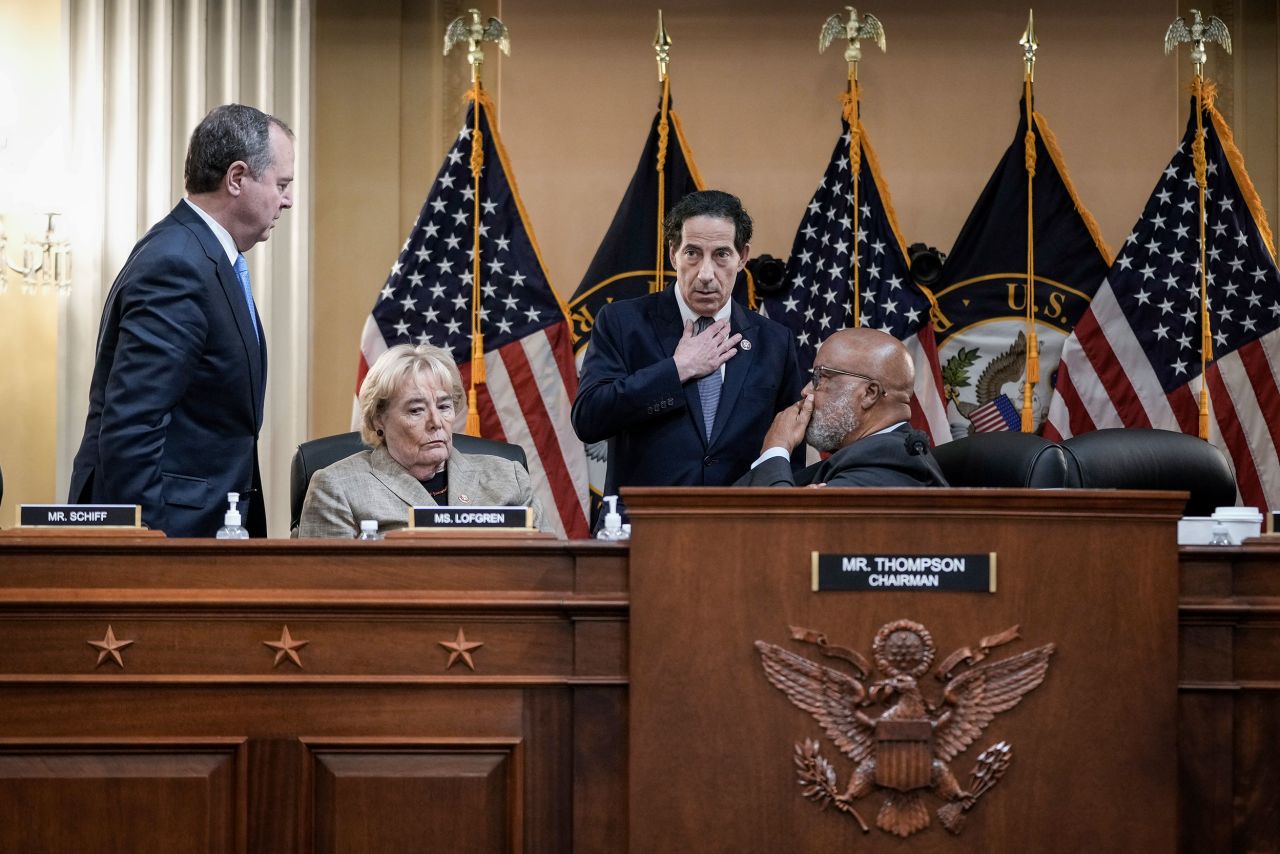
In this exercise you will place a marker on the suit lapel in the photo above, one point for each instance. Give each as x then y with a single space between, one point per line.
397 479
464 486
737 369
668 326
254 349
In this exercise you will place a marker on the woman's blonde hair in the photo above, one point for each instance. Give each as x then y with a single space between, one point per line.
389 372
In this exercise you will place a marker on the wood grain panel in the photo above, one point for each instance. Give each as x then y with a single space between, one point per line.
450 796
712 742
138 797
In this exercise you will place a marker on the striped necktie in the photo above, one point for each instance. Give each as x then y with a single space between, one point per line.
242 273
708 386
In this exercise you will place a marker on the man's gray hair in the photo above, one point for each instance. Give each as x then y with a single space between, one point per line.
229 133
389 372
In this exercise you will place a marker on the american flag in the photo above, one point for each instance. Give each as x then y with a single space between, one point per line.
820 275
530 379
1134 358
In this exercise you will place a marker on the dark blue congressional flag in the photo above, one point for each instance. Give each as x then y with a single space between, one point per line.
624 265
981 293
819 278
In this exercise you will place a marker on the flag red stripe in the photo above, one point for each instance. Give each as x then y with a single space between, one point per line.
1078 418
561 339
490 425
1247 479
1263 379
1186 408
1097 348
545 441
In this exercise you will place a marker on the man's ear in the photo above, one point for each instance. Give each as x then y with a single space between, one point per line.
237 174
744 256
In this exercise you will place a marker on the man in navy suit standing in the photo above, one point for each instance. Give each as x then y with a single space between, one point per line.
684 383
179 381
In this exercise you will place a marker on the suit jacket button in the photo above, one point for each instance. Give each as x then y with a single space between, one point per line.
707 461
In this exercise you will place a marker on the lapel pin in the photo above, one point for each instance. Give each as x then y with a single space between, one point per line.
464 499
745 344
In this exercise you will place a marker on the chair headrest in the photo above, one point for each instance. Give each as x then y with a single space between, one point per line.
1003 459
1140 458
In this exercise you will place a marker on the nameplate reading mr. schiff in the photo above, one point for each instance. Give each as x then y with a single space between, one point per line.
79 516
471 517
974 573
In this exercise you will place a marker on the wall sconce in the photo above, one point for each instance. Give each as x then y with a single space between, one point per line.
46 263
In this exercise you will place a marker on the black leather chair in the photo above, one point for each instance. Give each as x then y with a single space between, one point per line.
318 453
1137 458
1003 459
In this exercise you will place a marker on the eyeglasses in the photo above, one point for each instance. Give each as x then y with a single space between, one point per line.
822 371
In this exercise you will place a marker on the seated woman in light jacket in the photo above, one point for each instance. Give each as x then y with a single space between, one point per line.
408 404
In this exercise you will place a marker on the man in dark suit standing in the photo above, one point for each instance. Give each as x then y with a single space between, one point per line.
179 382
684 383
856 408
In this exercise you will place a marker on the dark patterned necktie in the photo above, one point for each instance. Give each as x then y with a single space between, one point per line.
708 386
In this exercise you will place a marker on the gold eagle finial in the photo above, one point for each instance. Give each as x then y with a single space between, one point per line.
475 32
854 30
1200 31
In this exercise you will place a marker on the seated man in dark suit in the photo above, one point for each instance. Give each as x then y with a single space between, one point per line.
856 408
684 383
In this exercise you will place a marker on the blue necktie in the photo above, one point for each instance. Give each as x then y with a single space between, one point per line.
242 273
708 386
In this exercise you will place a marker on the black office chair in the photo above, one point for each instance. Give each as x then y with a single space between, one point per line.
1003 459
316 454
1139 458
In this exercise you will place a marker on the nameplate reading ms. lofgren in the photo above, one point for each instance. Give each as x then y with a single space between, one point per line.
955 573
471 517
79 516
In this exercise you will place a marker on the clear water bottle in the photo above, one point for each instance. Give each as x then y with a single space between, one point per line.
1220 536
231 528
369 530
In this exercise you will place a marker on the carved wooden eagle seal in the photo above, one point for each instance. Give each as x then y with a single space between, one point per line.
905 749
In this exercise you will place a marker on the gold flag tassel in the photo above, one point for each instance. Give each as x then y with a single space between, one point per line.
474 32
662 46
853 31
851 110
477 334
1197 34
1029 45
1206 334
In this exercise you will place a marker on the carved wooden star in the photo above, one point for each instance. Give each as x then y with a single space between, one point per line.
286 646
460 647
109 646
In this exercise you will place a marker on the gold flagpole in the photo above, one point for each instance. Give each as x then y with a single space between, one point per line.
475 32
1200 31
853 30
1029 46
662 47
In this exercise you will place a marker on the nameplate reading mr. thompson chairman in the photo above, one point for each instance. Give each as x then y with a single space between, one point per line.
471 517
971 573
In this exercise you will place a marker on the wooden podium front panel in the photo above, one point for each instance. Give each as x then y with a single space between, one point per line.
713 743
381 735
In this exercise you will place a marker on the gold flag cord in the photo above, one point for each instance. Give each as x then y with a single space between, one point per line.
1206 336
664 128
1033 347
477 334
852 119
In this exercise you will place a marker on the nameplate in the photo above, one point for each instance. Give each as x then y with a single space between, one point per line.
972 573
471 517
79 516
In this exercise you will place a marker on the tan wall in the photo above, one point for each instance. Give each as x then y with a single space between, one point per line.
759 107
32 129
